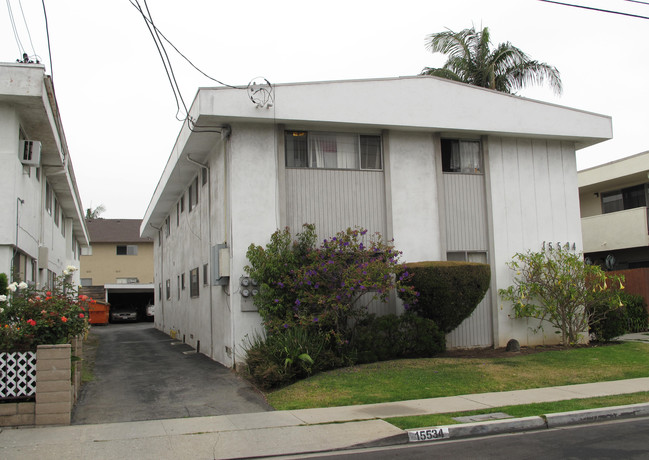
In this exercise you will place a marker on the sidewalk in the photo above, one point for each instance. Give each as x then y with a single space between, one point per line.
270 433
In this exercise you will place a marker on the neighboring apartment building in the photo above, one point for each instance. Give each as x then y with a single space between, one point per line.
613 199
42 230
447 170
118 266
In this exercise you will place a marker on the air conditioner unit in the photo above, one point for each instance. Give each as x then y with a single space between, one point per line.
30 153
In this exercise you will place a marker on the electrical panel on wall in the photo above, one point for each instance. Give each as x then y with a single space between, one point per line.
220 265
248 288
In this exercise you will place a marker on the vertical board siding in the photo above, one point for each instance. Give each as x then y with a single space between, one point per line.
476 330
335 199
466 212
467 230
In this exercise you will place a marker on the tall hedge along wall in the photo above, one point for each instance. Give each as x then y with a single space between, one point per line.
448 291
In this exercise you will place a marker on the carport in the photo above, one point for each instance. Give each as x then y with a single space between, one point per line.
124 296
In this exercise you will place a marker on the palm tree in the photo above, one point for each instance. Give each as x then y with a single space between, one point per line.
471 60
94 213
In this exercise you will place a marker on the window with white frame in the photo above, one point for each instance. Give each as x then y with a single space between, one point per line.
48 198
193 194
461 156
126 250
312 149
57 208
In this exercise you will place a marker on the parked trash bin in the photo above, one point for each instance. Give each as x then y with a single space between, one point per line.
99 313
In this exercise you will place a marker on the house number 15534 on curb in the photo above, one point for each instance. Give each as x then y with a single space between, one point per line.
429 434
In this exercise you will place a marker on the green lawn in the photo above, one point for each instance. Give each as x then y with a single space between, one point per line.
436 377
525 410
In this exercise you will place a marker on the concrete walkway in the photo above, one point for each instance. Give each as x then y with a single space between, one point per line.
275 433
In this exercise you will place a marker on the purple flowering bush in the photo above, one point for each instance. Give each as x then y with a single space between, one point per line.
327 286
323 289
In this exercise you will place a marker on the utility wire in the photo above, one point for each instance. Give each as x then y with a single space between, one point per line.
21 48
596 9
164 62
637 1
49 48
27 27
182 55
171 77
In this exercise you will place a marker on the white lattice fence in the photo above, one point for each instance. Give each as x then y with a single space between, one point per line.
17 374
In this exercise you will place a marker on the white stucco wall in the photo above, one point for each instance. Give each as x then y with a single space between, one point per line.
413 188
534 198
253 201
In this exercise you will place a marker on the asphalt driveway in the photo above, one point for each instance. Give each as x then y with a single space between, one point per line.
143 374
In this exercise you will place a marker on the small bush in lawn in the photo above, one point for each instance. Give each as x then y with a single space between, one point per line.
389 337
636 312
613 323
282 357
448 291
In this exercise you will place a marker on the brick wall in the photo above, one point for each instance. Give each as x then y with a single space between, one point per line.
57 385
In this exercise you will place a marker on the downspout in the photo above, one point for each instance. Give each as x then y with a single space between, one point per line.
209 239
19 201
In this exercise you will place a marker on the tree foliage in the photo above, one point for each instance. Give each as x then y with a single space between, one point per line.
557 286
471 60
326 286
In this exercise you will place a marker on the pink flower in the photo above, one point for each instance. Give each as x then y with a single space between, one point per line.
64 319
31 322
81 315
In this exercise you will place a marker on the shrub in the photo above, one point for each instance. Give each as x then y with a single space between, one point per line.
285 356
391 337
325 287
448 291
636 312
3 284
557 286
611 324
30 317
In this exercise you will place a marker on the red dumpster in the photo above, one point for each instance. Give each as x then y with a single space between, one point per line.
99 313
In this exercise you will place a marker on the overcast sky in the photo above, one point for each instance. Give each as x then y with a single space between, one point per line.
119 114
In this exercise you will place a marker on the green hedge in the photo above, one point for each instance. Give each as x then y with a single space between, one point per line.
448 291
382 338
632 317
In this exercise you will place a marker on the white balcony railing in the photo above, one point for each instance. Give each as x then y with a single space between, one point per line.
616 230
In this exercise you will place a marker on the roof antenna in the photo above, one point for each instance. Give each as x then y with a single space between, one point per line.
260 92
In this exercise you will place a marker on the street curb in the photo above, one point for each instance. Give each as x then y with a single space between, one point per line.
597 415
477 429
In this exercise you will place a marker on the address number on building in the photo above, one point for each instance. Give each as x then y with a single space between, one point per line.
429 434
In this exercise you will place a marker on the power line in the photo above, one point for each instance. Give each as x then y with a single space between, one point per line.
49 48
597 9
637 1
27 27
165 63
158 36
21 48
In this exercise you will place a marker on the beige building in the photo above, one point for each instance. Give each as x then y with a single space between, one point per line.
118 266
613 199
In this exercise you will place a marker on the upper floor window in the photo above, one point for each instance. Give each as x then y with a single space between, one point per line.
48 197
626 198
193 194
461 156
127 250
307 149
56 211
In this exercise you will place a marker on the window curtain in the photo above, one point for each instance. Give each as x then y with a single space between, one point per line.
338 151
469 153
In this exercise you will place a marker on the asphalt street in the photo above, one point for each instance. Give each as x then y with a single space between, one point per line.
142 374
616 440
